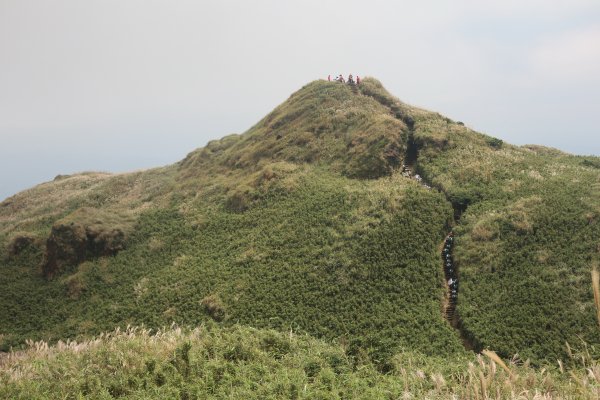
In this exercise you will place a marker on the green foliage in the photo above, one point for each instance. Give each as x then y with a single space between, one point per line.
335 257
304 223
495 142
525 244
244 363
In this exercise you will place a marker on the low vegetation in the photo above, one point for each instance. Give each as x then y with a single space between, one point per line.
305 223
330 256
245 363
525 243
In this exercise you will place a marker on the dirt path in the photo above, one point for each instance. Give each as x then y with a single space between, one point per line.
446 249
450 301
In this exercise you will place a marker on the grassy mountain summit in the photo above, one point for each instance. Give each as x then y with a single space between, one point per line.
323 123
306 223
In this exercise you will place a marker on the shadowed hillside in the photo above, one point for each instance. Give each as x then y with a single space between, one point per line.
306 222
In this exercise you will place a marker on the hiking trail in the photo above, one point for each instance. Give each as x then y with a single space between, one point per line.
410 169
451 271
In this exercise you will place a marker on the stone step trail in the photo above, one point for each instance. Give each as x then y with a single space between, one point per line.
451 277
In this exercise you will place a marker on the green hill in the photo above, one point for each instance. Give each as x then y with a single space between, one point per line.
306 223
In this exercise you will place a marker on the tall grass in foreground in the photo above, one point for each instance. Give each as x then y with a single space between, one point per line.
242 362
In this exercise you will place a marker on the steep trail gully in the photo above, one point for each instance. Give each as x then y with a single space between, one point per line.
451 273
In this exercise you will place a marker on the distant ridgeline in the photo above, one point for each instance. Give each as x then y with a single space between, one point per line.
306 222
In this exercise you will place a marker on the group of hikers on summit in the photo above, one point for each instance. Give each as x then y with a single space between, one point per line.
340 78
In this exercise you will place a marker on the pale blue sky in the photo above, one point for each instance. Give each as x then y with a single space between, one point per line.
119 85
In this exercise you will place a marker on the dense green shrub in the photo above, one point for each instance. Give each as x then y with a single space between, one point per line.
495 142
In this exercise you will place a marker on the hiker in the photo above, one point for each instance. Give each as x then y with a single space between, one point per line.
357 80
329 77
350 80
342 78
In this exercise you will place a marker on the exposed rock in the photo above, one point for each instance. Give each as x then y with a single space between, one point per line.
104 242
71 244
65 246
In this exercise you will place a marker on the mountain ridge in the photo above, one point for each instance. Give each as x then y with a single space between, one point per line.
335 240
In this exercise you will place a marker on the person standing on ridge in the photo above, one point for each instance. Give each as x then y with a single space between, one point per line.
357 80
329 78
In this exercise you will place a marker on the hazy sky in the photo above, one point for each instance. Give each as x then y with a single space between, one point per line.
118 85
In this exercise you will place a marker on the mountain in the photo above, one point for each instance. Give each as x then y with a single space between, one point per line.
315 221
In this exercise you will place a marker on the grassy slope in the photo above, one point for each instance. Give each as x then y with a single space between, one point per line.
276 228
526 243
324 123
33 211
245 363
331 256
